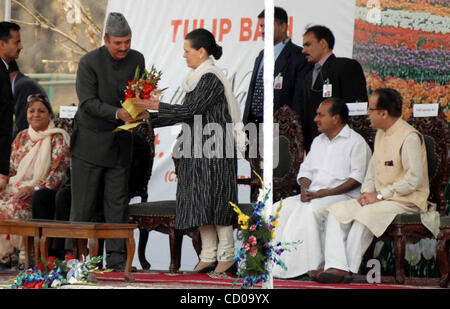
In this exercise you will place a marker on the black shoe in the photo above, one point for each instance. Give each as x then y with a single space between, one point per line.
14 258
120 267
347 278
333 275
5 267
232 269
20 267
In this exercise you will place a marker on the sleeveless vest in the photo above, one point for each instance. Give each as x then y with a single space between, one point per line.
388 164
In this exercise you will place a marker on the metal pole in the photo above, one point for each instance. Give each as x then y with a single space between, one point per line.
268 114
7 10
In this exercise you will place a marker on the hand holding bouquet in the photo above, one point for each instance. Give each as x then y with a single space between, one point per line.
141 87
140 94
140 90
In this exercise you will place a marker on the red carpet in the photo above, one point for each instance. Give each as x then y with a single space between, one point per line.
204 280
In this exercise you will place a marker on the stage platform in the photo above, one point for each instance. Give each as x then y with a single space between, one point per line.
187 280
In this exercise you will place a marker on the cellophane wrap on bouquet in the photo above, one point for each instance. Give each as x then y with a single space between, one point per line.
52 273
259 248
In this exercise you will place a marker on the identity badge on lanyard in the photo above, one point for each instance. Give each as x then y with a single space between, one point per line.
278 82
327 91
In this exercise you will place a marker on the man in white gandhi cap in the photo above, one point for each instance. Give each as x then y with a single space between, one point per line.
101 158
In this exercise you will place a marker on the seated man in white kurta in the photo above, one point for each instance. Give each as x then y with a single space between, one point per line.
396 183
332 171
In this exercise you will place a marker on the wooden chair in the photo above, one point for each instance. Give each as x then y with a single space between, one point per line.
442 251
408 227
142 161
361 124
290 151
64 123
149 216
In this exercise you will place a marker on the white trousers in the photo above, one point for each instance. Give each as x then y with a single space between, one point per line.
213 234
7 245
304 222
345 244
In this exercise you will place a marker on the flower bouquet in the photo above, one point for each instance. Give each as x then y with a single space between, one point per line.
54 273
259 249
141 87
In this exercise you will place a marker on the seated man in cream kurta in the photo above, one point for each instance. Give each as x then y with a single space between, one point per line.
396 182
332 171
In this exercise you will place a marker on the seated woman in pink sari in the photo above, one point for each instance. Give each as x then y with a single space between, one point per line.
40 157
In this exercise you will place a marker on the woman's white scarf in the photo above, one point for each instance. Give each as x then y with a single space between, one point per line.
36 163
191 81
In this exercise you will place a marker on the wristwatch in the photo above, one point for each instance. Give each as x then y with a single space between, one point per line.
379 196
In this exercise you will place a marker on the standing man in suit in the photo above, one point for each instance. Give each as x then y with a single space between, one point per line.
331 77
22 87
291 68
101 158
10 47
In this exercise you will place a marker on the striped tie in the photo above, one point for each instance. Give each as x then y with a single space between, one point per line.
258 95
315 73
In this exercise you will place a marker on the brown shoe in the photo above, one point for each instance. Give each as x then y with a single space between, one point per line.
314 274
332 275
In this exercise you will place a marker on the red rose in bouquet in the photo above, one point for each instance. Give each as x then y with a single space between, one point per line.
142 86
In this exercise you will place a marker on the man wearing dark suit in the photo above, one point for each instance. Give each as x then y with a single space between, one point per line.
331 77
10 47
101 158
290 68
22 87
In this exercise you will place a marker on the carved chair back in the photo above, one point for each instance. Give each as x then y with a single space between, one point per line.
437 141
290 148
361 124
142 161
290 156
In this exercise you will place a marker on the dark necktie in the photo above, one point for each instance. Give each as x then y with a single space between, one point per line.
315 73
258 95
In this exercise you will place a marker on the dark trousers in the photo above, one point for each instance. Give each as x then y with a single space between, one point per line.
88 180
5 152
52 205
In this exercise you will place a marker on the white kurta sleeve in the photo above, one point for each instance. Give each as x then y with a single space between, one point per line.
307 167
360 157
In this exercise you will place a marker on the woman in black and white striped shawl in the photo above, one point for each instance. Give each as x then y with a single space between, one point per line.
206 170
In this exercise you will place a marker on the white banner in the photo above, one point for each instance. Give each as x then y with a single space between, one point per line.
159 28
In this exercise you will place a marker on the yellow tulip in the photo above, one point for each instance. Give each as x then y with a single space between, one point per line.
242 218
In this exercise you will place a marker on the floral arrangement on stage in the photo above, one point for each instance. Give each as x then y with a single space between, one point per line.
259 249
52 273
